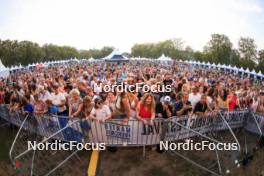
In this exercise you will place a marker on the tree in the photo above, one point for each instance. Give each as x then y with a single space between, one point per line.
13 52
247 48
218 49
178 43
173 48
199 56
261 61
246 63
261 55
235 57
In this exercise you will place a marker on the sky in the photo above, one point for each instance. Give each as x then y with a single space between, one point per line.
87 24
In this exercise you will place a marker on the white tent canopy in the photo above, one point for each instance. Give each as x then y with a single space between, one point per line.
247 70
91 59
164 58
4 72
213 65
253 72
226 67
259 73
116 55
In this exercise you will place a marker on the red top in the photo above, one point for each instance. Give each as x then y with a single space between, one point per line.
232 103
2 99
144 113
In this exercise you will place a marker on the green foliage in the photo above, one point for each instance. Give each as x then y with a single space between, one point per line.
173 48
261 61
199 56
25 52
219 49
261 55
247 64
19 52
247 48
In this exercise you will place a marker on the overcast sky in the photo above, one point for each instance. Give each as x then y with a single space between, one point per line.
87 24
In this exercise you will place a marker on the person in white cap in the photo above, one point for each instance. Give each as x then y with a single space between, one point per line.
163 108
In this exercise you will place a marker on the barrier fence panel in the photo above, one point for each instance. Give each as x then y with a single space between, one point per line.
255 123
119 133
217 127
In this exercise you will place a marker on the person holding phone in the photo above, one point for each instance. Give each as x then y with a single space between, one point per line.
184 106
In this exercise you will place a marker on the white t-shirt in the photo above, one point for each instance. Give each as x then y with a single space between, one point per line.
102 113
56 100
194 99
45 96
254 105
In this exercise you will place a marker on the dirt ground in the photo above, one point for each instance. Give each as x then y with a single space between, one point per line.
130 162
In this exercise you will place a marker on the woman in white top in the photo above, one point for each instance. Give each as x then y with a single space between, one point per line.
100 111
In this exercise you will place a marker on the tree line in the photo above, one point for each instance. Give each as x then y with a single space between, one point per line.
219 49
13 52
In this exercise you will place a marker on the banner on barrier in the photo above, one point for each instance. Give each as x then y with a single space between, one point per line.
134 132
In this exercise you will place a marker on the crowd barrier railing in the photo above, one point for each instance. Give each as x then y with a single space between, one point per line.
133 133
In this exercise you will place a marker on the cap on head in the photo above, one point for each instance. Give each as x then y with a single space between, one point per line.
98 100
167 99
85 73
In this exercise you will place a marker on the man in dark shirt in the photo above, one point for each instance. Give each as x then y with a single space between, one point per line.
163 109
167 80
201 107
183 107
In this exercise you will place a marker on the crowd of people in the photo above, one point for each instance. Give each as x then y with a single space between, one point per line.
76 91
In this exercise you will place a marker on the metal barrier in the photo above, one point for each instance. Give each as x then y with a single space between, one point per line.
118 133
133 133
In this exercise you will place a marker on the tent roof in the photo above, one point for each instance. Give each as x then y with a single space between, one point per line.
4 72
2 67
164 58
115 56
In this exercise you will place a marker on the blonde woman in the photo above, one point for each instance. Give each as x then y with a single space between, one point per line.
122 107
75 103
146 108
88 106
133 100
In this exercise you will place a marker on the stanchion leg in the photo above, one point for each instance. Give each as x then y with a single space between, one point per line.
144 152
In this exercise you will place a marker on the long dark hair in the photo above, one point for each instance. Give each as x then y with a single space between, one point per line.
223 94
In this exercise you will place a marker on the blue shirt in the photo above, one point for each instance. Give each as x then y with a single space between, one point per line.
29 108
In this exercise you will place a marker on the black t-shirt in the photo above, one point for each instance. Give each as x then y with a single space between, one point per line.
157 96
160 110
167 82
200 107
179 106
7 97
